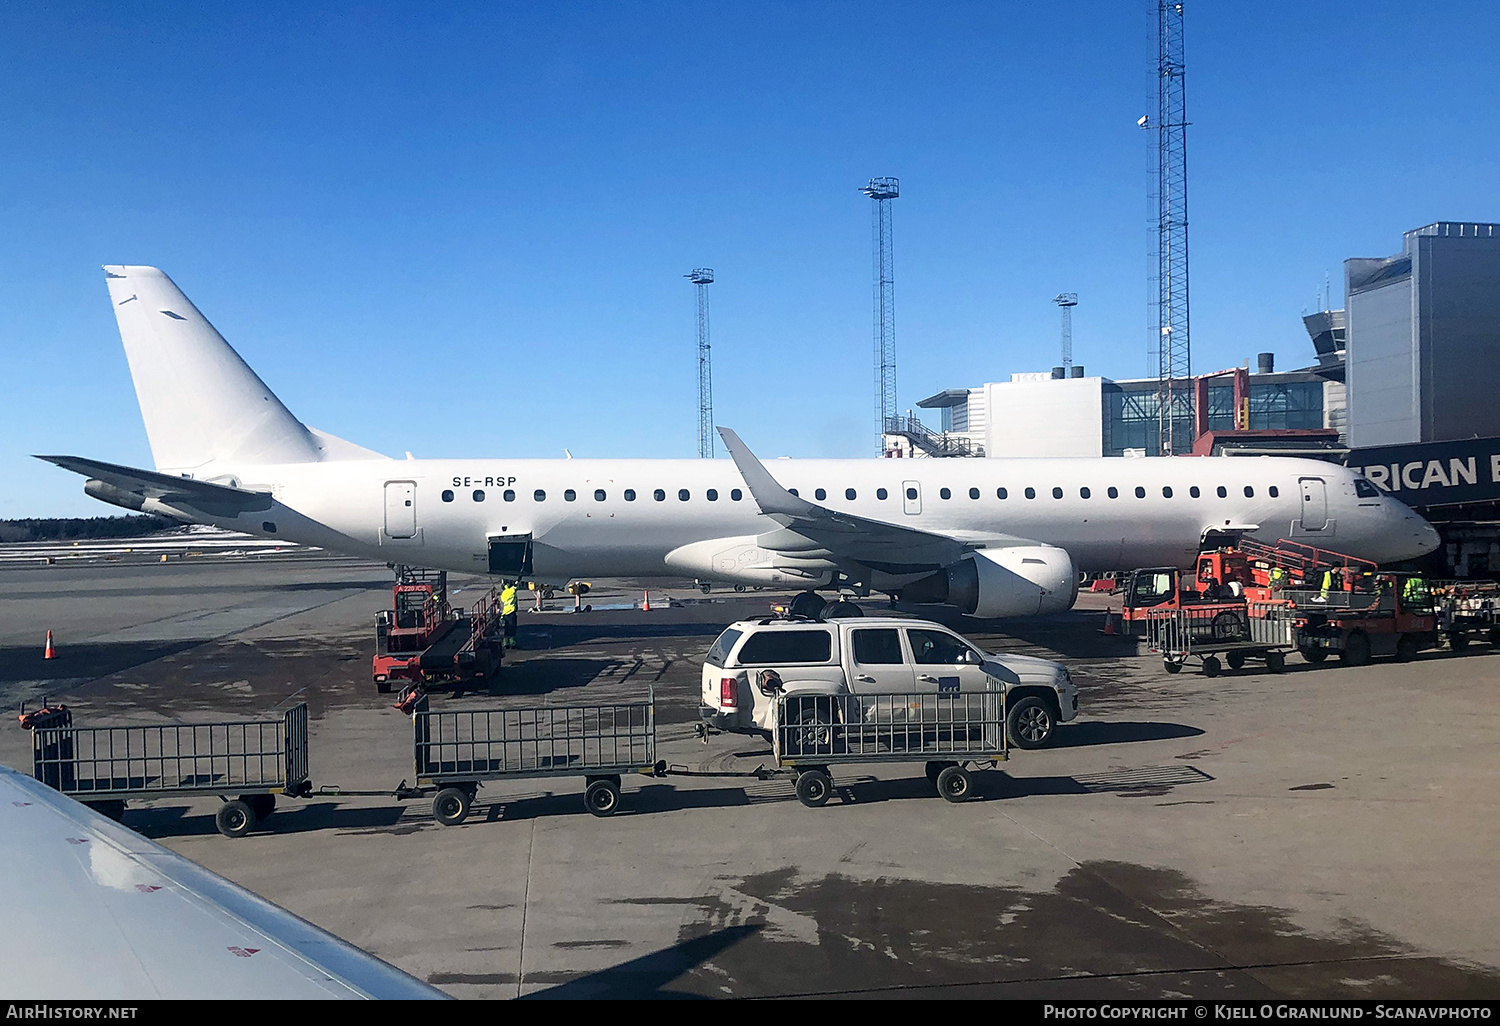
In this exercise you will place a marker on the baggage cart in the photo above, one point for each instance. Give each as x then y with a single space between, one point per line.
456 750
246 763
953 732
1259 630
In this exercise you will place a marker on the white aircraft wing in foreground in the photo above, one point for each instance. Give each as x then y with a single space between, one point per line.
95 911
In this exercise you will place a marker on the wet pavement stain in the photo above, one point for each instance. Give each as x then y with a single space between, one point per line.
1106 929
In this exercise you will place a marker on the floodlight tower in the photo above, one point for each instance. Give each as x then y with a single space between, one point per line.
702 278
1175 367
1067 300
882 191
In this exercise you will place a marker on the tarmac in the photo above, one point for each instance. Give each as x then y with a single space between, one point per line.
1324 832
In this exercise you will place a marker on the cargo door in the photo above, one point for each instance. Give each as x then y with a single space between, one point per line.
911 497
510 556
400 509
1314 503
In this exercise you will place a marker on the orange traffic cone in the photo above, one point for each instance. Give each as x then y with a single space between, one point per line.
646 601
49 654
1109 621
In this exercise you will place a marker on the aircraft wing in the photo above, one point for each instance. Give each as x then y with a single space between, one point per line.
876 544
94 910
204 495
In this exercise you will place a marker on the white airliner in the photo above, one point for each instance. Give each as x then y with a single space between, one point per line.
994 537
93 910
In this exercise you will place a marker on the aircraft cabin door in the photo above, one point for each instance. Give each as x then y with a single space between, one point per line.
400 509
1314 503
911 497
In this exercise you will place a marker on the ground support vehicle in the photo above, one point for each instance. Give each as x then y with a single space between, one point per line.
456 750
421 641
1467 611
246 763
1220 633
951 732
1390 618
754 662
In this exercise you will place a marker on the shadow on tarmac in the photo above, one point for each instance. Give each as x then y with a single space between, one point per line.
84 660
645 977
1096 732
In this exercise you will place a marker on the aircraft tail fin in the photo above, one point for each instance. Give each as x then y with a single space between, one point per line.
202 404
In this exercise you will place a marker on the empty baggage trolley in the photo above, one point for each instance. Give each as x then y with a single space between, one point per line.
246 763
953 732
456 750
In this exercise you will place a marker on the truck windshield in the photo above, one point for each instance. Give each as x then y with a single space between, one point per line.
1149 588
719 654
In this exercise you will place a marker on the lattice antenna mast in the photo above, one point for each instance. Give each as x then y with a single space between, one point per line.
1067 300
1174 389
882 191
702 278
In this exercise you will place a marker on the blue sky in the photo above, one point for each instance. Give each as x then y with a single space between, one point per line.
462 229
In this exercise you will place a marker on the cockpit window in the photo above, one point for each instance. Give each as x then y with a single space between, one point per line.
1364 489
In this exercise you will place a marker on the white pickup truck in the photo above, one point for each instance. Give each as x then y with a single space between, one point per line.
872 655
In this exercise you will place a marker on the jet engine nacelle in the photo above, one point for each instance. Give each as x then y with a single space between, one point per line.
1022 580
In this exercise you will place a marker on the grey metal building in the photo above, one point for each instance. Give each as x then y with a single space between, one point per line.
1424 337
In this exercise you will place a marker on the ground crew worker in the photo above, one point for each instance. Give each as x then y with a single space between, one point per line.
508 614
1278 579
1327 584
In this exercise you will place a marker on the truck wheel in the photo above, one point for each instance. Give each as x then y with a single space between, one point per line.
234 819
1236 660
260 804
1356 649
1227 626
451 806
1275 662
935 769
1314 655
955 784
1458 640
602 798
1170 666
812 731
1407 648
814 787
1029 723
1210 666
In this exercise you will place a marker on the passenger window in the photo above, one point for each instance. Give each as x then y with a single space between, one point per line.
801 646
719 654
1084 493
973 493
1364 489
447 495
736 494
479 495
1166 491
598 494
570 496
1057 493
1275 491
945 493
1114 493
1031 493
820 494
1249 492
795 492
936 648
539 495
659 495
849 494
630 495
1140 493
1001 493
683 495
911 493
880 647
712 495
1222 493
509 495
1194 492
882 494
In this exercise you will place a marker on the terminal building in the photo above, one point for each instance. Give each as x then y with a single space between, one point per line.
1404 383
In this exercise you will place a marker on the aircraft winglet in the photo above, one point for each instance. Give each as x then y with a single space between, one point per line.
764 489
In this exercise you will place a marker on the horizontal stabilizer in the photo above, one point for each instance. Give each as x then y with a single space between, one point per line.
218 499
